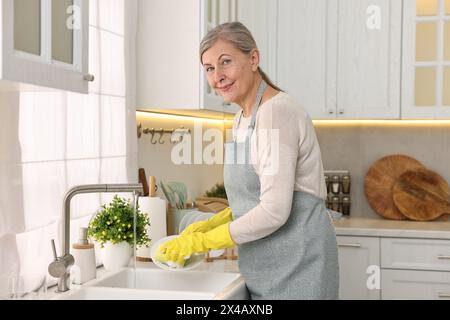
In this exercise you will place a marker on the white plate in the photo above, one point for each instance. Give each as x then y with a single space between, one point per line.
192 218
201 217
184 220
191 263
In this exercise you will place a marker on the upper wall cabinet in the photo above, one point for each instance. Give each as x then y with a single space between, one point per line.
260 17
169 72
426 59
45 43
341 59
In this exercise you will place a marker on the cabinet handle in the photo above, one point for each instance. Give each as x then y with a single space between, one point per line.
331 111
350 245
443 257
444 295
89 77
341 111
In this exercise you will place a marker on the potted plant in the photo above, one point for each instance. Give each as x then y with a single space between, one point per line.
113 228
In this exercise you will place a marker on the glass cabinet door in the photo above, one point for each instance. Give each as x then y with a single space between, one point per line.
63 24
27 26
45 43
427 66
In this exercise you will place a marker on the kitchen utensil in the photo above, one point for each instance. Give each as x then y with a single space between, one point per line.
168 192
152 187
180 189
191 263
421 195
193 199
143 180
380 179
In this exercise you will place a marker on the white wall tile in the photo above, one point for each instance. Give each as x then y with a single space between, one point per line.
106 62
42 124
44 186
83 126
113 124
81 172
35 256
113 170
107 15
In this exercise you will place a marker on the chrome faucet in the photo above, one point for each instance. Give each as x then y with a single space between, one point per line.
60 267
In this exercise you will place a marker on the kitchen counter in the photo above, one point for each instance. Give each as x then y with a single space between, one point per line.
392 228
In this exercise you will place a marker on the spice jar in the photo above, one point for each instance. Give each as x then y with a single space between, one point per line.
335 204
346 205
327 182
335 184
346 184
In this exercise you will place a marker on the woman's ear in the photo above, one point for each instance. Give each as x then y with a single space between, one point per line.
254 59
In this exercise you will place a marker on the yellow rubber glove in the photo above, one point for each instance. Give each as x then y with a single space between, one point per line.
218 219
198 242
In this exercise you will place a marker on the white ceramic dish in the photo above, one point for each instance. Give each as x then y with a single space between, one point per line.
185 219
194 261
191 218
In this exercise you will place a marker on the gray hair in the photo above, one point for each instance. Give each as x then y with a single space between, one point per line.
237 35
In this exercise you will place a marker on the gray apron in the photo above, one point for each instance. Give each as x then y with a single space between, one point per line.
297 261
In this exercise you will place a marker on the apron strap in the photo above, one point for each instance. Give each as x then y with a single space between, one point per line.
259 95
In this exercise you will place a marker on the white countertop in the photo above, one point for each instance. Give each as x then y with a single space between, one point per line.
392 228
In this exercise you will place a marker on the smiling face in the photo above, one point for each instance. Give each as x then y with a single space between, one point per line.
230 71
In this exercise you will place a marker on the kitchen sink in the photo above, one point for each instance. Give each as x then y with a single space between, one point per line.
154 284
99 293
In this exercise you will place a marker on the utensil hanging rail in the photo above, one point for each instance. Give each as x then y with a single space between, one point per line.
176 134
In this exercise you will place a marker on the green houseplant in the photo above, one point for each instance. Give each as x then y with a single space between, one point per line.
218 191
113 228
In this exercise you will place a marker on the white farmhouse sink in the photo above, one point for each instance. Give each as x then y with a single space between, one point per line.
154 284
99 293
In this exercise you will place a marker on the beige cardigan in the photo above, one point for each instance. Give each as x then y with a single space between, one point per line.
286 156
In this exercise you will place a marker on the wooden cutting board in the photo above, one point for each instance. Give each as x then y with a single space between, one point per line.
421 195
380 179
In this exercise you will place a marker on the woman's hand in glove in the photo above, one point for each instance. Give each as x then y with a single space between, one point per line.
218 219
198 242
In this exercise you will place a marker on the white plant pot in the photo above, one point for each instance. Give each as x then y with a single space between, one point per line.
116 256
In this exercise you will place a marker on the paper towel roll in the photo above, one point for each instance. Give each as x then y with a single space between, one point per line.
155 207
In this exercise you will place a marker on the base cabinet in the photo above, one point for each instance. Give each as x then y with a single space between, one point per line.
356 256
373 268
415 285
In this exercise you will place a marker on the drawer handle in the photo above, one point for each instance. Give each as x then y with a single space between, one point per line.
350 245
443 257
444 295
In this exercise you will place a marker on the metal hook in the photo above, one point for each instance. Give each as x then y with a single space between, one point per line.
161 136
152 132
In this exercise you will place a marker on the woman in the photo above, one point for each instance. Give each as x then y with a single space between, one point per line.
287 244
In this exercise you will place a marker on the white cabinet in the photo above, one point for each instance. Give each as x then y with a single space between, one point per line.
415 268
45 43
341 59
368 58
260 17
303 66
415 285
356 256
169 72
426 60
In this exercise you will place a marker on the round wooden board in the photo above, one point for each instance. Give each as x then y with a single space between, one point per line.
380 179
421 195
